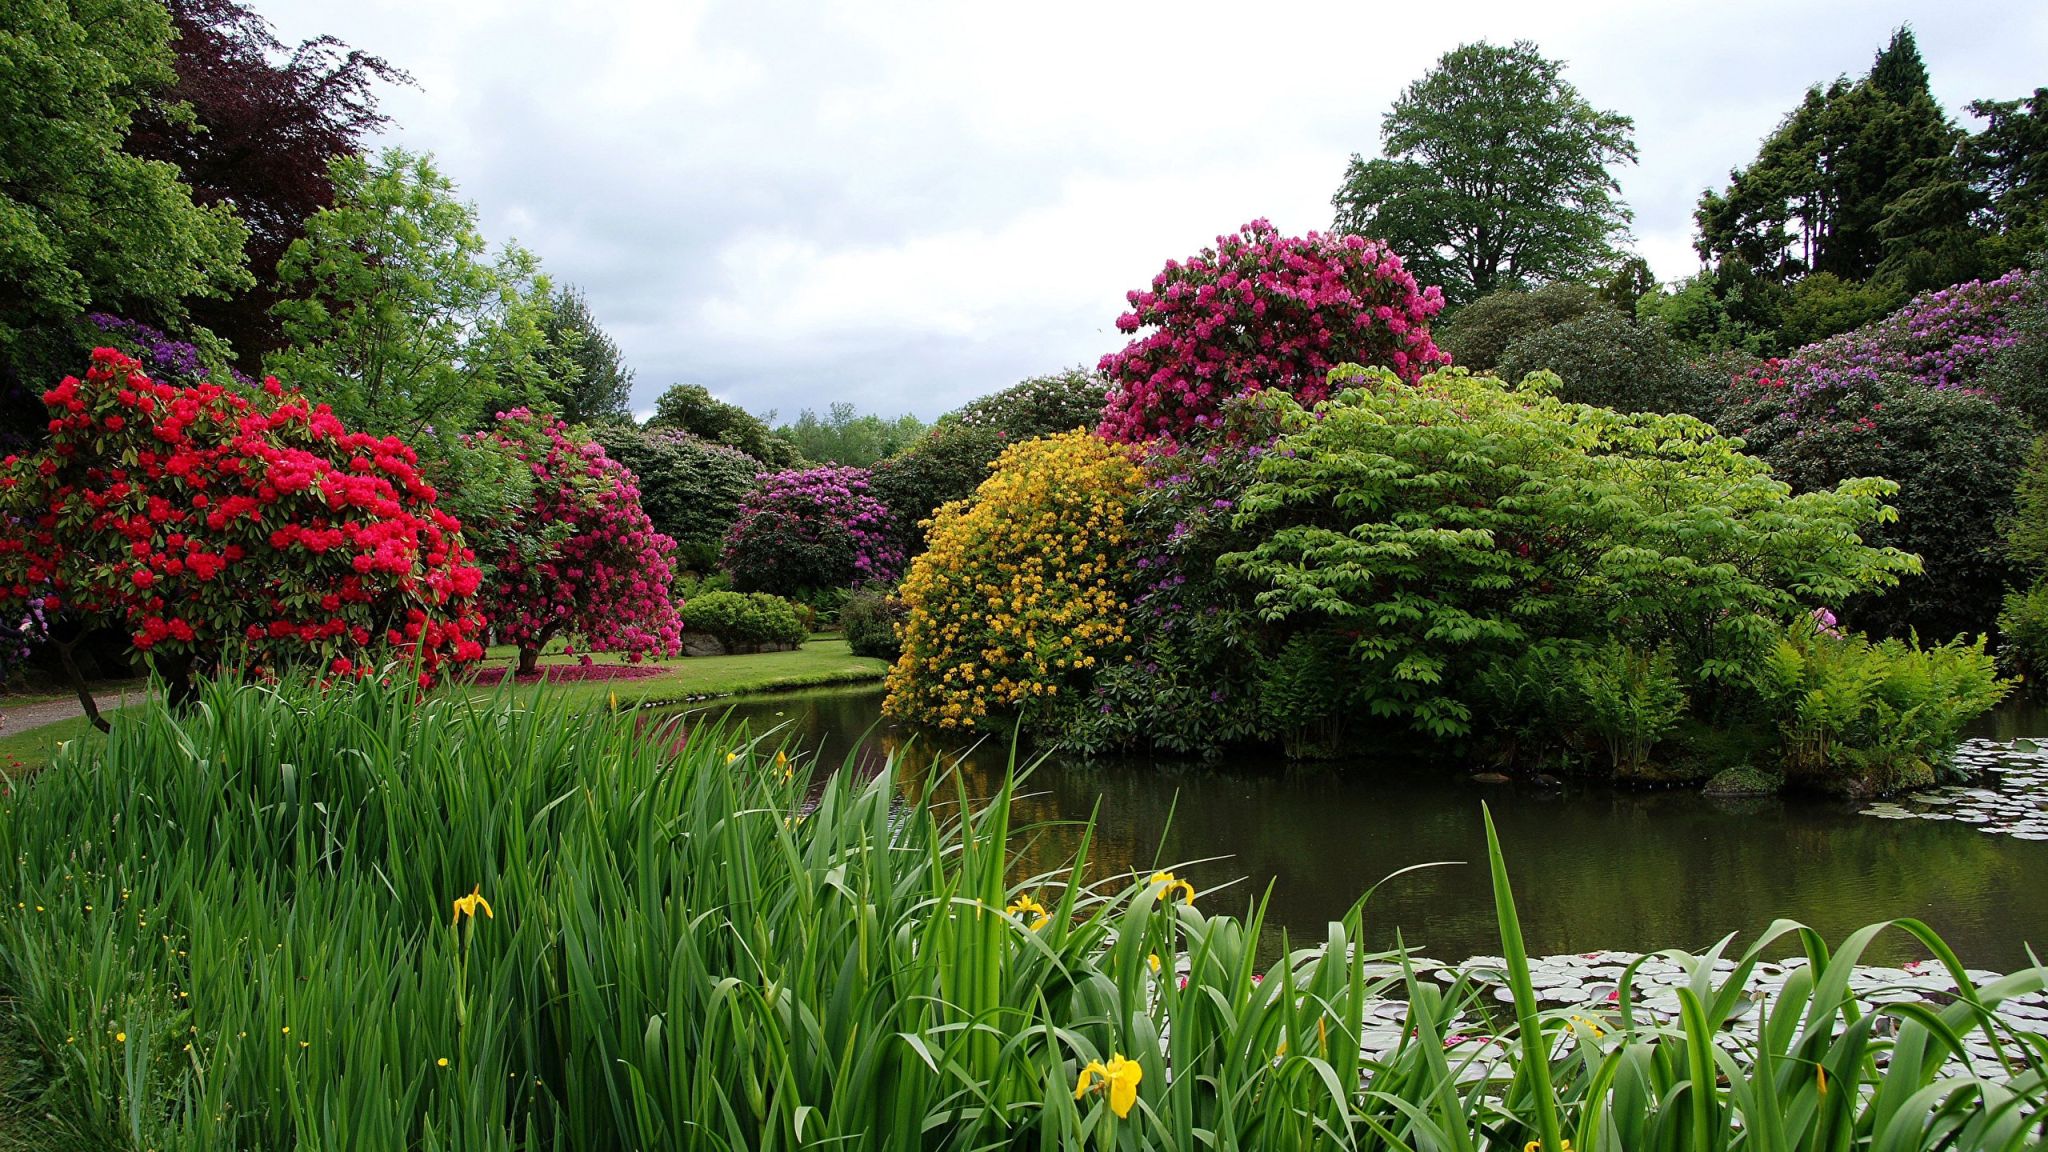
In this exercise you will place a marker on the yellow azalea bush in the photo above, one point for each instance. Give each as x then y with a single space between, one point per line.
1020 594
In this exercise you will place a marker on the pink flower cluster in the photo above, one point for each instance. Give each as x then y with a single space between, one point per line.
1261 310
812 503
608 581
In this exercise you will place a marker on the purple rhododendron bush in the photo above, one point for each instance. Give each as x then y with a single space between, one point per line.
809 530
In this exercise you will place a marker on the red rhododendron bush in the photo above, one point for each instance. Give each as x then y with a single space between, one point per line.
1261 310
602 577
196 516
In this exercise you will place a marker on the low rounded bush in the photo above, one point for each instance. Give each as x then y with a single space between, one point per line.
1606 359
1956 455
1478 335
868 619
745 621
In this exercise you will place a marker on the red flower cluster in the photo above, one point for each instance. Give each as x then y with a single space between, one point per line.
607 581
190 515
1262 310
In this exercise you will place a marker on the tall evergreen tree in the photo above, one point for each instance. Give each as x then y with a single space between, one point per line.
1833 170
587 378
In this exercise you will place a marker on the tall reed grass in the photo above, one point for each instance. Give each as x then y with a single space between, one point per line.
238 927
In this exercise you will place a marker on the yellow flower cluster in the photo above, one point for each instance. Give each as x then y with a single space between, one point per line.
1019 595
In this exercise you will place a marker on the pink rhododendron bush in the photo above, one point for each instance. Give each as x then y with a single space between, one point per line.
210 521
1261 310
603 578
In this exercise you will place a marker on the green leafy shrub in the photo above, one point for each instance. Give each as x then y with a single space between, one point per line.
745 621
1956 457
690 487
1479 334
1607 359
1457 522
868 618
947 465
1576 703
1870 717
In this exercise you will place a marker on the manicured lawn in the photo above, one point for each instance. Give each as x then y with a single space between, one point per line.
821 661
22 753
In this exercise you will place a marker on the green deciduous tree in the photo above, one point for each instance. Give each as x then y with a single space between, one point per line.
1496 174
844 436
1453 524
692 408
398 317
84 223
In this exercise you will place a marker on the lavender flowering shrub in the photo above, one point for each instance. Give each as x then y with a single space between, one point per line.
1907 398
809 529
165 358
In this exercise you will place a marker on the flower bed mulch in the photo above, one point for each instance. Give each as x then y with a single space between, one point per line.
566 673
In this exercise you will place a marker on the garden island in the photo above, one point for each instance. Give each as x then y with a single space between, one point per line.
1430 685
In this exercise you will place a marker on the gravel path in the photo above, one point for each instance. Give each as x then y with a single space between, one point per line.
17 718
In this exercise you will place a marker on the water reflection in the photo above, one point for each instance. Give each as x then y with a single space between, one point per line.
1594 868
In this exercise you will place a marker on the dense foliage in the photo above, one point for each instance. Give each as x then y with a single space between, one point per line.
1494 174
745 621
85 222
605 584
1020 594
1455 523
1262 311
1477 335
215 526
690 487
264 125
808 530
1613 361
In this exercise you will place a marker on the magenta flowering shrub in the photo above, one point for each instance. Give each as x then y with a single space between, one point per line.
605 580
1261 310
809 529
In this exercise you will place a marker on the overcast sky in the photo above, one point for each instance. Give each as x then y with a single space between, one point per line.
910 205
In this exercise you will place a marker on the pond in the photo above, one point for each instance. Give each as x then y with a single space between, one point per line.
1594 868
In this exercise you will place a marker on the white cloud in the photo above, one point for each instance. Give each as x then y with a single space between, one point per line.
908 204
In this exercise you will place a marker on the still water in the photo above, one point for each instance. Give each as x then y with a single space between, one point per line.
1593 868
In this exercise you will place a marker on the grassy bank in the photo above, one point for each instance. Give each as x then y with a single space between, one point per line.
23 753
352 919
822 661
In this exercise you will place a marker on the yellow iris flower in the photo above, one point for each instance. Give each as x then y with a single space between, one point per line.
1169 884
1119 1078
468 905
1025 905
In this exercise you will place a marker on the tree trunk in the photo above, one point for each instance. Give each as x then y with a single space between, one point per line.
77 679
529 661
